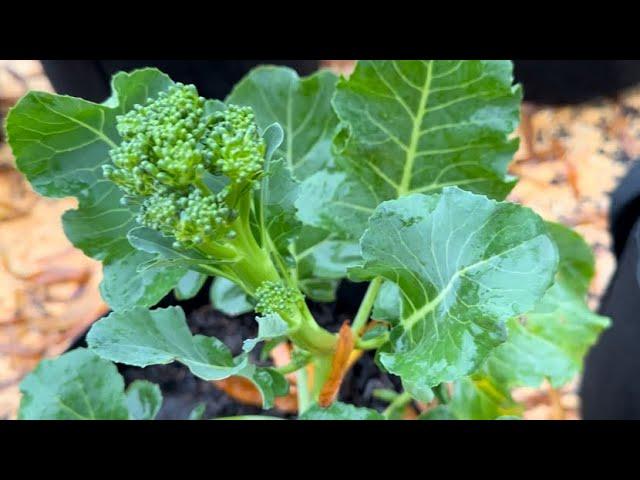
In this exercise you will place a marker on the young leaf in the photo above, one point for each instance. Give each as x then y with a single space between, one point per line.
270 326
340 411
144 400
464 265
229 298
144 337
301 106
189 285
415 127
78 385
551 341
60 144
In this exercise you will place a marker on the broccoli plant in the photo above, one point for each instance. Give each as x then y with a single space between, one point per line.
395 176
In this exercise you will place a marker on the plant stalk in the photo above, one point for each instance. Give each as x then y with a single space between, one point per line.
366 306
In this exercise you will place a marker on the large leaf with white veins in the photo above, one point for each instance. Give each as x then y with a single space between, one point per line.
60 144
415 127
464 265
551 341
301 106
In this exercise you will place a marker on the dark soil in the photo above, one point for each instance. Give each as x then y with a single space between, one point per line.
183 392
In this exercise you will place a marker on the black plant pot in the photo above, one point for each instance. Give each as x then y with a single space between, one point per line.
573 81
611 383
90 79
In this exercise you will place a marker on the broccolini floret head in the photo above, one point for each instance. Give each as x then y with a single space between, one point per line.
273 297
169 145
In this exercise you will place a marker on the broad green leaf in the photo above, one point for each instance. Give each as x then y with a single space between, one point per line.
144 400
415 127
270 326
301 106
464 265
142 337
577 264
60 144
124 284
78 385
480 399
304 251
322 260
229 298
189 285
340 411
551 341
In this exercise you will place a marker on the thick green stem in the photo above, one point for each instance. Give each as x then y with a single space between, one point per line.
253 267
304 399
366 306
321 370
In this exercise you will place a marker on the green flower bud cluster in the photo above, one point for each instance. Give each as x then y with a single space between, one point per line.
168 145
191 219
236 146
162 143
273 297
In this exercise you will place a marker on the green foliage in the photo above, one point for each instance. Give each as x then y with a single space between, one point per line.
78 385
340 411
455 286
396 175
142 337
144 400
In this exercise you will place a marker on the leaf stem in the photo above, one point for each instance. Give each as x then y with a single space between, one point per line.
398 403
302 385
372 344
365 307
295 365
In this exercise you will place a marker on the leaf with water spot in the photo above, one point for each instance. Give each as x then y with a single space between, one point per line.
464 265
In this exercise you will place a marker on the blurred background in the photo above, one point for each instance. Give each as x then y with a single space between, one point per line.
580 138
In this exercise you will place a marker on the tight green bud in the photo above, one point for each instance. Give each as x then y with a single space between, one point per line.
276 298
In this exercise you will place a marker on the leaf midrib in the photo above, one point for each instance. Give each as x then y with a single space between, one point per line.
405 182
419 314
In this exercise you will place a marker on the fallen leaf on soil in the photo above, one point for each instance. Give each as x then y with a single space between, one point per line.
242 390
